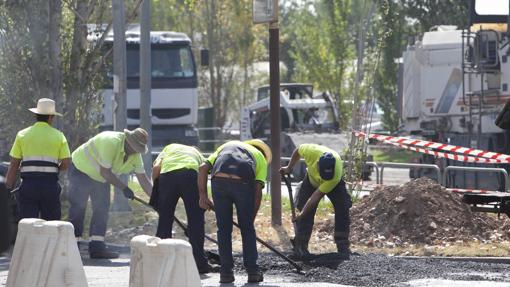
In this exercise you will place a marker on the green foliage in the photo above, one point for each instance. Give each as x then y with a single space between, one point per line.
322 50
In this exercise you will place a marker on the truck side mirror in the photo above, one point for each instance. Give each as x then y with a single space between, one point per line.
204 57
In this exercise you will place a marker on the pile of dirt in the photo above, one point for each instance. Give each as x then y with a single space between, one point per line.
421 212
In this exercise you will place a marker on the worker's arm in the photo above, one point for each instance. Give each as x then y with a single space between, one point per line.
64 164
311 204
145 182
293 160
203 171
258 198
10 178
111 178
156 170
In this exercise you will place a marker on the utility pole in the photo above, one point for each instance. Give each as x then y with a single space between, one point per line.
266 11
274 106
145 79
120 203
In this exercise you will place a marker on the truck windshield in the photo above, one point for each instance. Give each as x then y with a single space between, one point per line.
491 7
166 62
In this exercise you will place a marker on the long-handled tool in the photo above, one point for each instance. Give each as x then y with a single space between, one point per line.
291 197
210 255
292 262
286 179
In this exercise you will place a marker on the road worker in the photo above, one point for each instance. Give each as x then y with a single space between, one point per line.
95 166
174 174
324 177
39 152
238 174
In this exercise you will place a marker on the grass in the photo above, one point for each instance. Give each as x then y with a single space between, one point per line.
394 155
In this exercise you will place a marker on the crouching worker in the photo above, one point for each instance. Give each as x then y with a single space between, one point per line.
238 174
324 177
39 152
95 166
174 175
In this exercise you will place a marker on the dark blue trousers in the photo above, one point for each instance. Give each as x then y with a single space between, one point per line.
172 186
39 196
341 201
81 187
226 194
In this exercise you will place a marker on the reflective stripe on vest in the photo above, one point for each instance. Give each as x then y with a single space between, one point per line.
39 164
89 150
48 169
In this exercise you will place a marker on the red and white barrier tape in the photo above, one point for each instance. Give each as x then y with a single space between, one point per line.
451 156
467 154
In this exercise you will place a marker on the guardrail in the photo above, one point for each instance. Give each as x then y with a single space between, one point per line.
408 166
476 169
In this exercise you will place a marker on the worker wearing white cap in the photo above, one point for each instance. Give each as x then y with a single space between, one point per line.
39 152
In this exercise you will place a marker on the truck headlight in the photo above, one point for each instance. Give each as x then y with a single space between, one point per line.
191 133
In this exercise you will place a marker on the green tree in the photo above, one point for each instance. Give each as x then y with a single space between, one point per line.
323 49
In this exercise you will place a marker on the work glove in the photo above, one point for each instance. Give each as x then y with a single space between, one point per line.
128 193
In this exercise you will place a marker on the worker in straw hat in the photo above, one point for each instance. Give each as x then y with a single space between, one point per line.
39 152
238 174
324 177
95 166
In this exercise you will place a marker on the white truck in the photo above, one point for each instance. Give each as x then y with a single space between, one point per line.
174 97
455 83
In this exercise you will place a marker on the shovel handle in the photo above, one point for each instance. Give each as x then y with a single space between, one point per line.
286 179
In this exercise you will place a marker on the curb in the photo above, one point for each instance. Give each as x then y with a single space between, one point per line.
494 260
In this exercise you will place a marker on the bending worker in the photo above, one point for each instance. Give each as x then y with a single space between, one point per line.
41 151
324 177
174 175
238 171
95 165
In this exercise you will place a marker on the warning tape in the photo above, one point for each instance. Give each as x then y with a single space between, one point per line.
466 154
451 156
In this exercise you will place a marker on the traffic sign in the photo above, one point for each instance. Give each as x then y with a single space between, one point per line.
265 11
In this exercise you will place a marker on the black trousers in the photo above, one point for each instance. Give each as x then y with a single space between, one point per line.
172 186
341 201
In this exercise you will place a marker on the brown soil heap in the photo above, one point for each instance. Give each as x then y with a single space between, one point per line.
421 211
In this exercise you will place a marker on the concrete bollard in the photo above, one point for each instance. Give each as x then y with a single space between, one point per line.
159 262
45 254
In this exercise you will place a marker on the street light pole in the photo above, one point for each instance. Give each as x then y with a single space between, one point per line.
120 203
145 79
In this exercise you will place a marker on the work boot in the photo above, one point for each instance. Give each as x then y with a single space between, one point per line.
227 278
98 250
208 268
255 277
344 251
300 248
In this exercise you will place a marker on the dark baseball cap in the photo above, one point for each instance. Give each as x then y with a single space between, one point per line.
327 166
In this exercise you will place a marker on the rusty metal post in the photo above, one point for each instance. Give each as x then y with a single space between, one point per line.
274 83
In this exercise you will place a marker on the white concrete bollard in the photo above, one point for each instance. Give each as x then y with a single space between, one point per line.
45 255
159 262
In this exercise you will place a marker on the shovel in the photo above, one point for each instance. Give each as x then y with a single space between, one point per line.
286 179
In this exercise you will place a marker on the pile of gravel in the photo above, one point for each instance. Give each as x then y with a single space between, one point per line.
421 211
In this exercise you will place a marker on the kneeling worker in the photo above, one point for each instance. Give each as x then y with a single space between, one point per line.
174 175
95 165
238 171
324 177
